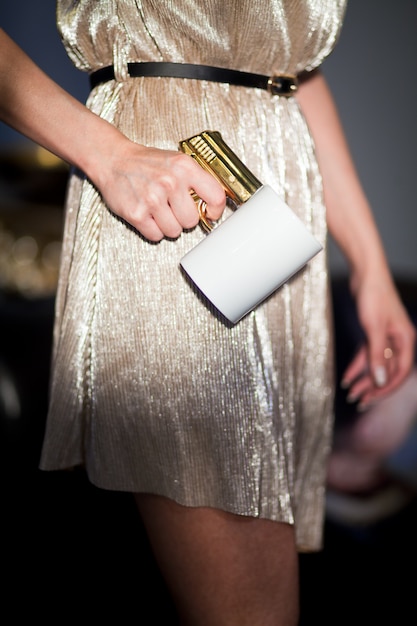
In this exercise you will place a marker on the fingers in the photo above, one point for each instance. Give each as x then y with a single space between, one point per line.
204 187
213 195
387 356
171 210
357 377
382 429
152 191
379 366
378 344
365 383
403 350
396 354
151 215
357 368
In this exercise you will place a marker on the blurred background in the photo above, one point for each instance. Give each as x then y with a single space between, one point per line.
87 546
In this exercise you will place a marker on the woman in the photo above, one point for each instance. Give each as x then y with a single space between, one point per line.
222 433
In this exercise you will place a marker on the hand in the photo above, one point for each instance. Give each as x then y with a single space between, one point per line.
150 188
357 461
386 358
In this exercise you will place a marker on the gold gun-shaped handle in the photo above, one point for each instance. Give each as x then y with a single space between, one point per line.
214 155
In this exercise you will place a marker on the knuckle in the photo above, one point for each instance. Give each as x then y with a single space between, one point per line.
220 201
181 164
173 232
166 182
191 219
154 237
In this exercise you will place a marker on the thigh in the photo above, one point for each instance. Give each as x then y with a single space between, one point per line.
223 568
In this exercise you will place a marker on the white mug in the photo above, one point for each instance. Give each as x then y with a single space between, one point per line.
252 253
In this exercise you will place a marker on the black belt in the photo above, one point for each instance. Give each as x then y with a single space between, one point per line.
280 85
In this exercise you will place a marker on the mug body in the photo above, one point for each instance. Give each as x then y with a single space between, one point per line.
250 255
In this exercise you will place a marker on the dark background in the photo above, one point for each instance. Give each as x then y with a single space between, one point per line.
71 550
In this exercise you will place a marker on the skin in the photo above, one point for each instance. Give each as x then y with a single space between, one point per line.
358 459
221 568
147 187
370 376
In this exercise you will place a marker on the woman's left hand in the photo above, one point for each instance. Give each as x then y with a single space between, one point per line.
387 356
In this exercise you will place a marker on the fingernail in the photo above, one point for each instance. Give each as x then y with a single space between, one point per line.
380 376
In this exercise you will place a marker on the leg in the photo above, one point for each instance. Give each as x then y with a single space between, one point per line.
224 569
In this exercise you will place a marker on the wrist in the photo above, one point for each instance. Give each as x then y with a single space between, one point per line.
103 150
369 276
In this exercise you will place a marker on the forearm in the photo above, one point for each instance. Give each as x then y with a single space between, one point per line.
37 107
349 216
381 312
147 187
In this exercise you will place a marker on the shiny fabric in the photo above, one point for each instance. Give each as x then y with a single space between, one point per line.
151 390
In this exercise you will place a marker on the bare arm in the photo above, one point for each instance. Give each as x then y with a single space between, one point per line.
146 186
351 223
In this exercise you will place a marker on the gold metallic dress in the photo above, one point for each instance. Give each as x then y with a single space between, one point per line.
150 390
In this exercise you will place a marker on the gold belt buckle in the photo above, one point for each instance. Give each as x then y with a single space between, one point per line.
283 85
